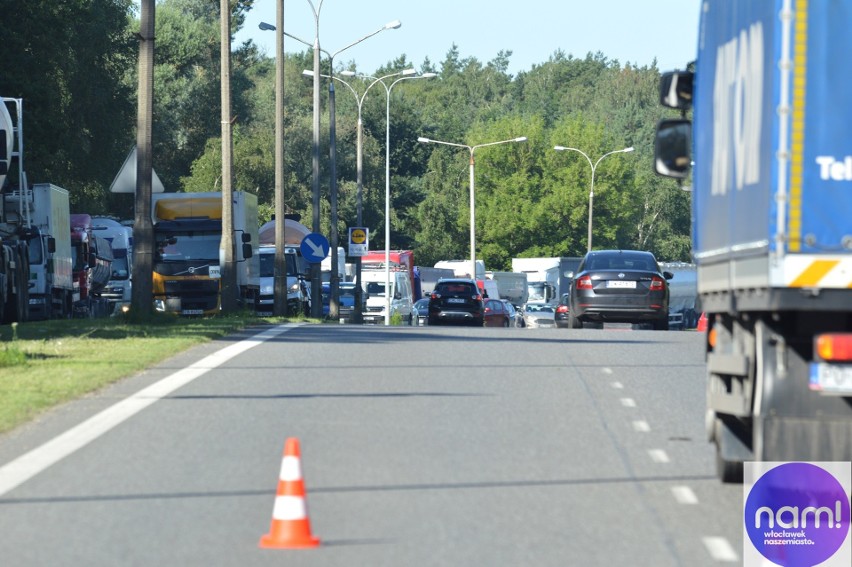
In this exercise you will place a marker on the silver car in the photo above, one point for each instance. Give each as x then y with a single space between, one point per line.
538 314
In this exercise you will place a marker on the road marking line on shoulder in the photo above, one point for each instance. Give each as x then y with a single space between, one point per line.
17 472
720 549
641 426
684 495
628 402
658 456
618 385
606 370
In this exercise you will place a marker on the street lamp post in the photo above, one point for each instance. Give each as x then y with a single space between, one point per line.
359 100
592 190
472 149
334 303
388 89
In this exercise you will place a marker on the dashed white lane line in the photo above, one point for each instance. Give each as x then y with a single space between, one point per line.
658 456
684 495
618 385
720 549
30 464
641 426
628 402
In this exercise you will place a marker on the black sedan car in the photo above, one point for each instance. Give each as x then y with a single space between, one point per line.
619 286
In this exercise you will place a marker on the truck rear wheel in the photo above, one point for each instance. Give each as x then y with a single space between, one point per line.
728 471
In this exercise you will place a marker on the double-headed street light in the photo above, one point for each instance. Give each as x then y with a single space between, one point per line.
592 191
316 284
472 149
359 100
407 74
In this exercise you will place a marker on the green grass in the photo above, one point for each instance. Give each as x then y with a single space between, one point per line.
46 363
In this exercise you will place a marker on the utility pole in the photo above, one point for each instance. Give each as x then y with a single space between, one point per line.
228 283
143 230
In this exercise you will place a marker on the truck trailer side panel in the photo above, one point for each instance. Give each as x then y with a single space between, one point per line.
772 233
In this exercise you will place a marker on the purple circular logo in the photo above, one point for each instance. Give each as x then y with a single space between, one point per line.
797 515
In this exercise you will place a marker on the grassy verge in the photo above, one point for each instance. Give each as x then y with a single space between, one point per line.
45 363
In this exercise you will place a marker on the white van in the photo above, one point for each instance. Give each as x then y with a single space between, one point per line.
402 300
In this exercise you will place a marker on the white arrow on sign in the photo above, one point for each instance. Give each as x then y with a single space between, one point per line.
317 249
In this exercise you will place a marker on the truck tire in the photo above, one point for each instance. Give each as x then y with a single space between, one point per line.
729 472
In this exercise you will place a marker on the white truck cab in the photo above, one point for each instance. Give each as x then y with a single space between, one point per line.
401 296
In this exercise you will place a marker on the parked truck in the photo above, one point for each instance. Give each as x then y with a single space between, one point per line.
298 292
547 278
118 291
425 279
298 296
35 250
513 286
51 286
772 232
91 265
188 234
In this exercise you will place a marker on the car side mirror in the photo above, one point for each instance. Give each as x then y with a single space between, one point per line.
668 275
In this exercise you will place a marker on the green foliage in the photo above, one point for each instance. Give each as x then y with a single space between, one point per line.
530 199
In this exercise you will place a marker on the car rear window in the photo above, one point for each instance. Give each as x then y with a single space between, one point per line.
457 288
621 262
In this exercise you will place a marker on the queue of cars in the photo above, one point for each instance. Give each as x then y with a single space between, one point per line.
609 286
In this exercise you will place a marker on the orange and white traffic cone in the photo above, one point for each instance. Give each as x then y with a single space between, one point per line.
290 527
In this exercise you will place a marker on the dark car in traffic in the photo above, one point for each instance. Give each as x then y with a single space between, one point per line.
561 315
456 300
619 286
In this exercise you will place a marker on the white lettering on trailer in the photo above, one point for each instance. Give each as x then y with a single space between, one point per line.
831 169
737 110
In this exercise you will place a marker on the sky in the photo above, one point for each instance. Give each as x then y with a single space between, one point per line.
629 31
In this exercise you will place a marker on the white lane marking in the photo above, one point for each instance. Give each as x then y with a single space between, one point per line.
658 456
618 385
720 549
26 466
641 426
684 495
606 370
628 402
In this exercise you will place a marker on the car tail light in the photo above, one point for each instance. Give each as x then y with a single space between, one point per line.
834 347
584 283
657 283
476 297
488 310
435 295
562 309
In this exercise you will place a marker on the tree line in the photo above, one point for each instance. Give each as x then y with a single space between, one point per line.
75 66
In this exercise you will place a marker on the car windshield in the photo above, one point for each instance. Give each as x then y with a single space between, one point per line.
376 288
267 265
183 246
539 309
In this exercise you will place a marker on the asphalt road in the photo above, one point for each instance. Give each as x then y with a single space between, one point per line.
420 446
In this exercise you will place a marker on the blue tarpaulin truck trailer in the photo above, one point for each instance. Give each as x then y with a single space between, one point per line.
770 153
